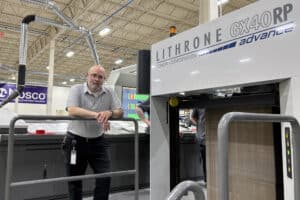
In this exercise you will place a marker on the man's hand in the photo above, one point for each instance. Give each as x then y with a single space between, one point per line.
103 116
106 126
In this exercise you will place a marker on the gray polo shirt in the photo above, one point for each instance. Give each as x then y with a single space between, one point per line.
80 96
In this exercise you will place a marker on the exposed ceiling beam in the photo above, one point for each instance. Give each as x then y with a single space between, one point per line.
41 44
16 29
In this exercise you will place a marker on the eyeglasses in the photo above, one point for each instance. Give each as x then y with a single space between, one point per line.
96 76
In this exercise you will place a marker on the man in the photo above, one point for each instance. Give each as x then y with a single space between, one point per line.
84 143
143 108
198 118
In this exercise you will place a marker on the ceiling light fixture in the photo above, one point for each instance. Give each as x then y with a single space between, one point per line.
72 79
69 54
64 83
222 2
119 61
104 31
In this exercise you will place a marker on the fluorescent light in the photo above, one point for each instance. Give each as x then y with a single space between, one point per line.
69 54
119 61
182 93
104 32
13 77
72 79
64 83
48 67
221 2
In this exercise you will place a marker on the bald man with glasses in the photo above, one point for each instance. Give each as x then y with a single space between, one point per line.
84 143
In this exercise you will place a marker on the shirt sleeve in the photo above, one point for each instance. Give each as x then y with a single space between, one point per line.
74 97
115 103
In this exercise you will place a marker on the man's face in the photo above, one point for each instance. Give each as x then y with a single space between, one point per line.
95 78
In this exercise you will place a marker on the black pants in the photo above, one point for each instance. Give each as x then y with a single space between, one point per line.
203 159
88 151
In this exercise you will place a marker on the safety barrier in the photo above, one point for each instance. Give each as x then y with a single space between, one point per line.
182 188
9 164
222 165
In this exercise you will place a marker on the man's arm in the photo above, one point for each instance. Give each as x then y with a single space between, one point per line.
80 112
74 104
194 116
101 117
116 110
141 115
193 120
117 113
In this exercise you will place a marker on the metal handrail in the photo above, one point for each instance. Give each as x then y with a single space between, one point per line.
182 188
222 165
10 155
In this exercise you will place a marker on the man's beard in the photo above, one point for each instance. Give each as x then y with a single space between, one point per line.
94 87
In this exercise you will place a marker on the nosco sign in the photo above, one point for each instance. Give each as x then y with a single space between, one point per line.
30 94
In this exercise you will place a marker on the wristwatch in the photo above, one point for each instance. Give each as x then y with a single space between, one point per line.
112 113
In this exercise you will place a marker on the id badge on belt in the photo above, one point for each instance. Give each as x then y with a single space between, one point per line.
73 153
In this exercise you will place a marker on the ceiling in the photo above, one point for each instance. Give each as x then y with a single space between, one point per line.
135 25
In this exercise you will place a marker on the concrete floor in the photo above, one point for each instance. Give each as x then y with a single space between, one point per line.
144 194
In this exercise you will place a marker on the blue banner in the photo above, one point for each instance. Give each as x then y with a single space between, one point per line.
30 94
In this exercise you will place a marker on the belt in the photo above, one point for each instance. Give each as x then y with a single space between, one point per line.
77 137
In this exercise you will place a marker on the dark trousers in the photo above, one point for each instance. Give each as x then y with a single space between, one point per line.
203 159
88 151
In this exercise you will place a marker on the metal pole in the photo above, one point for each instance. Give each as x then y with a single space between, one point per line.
222 165
136 161
52 5
92 44
50 78
53 23
23 44
10 156
73 178
182 188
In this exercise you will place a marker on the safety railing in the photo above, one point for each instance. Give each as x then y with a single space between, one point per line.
182 188
222 165
10 155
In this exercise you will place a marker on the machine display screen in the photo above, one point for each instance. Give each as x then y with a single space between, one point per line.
130 100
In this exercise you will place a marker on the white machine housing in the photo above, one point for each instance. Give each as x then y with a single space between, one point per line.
255 45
